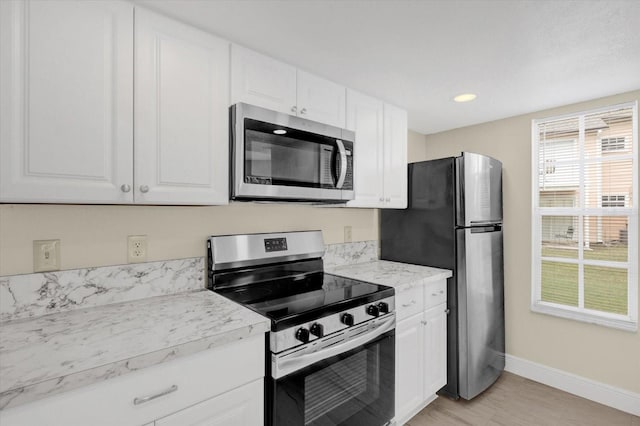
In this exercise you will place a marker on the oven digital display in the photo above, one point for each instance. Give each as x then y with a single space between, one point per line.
275 244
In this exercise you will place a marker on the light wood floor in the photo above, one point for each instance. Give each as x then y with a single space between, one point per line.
516 401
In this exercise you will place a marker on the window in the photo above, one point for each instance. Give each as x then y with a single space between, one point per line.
613 200
585 216
612 144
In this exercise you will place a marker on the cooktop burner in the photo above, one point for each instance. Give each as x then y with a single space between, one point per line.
292 300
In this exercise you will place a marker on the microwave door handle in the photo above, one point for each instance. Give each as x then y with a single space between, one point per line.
343 164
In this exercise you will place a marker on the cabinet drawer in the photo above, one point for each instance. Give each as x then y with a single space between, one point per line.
181 383
409 302
240 407
435 293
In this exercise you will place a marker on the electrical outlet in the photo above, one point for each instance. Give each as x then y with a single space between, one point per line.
136 248
46 255
347 234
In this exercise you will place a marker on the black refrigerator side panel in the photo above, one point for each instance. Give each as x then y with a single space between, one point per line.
423 234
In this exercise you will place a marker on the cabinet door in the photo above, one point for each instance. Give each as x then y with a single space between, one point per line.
260 80
321 100
181 130
66 78
435 344
409 366
365 117
395 157
242 406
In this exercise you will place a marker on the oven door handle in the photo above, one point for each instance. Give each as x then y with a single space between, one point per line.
343 164
283 365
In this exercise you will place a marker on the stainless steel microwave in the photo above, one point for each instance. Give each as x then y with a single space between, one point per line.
276 156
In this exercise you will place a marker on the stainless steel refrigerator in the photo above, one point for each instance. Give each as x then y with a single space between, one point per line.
454 221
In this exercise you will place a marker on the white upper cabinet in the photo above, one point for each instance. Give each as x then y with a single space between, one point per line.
395 157
181 129
380 152
321 100
365 116
67 112
67 101
263 81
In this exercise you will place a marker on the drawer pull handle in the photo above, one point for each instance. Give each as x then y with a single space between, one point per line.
142 400
435 294
406 305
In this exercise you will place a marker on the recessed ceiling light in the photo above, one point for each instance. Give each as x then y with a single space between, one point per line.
465 97
280 132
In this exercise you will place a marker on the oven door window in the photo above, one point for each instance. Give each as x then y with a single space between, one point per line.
295 158
355 388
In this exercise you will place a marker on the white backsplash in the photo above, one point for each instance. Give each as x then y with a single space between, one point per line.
350 253
32 295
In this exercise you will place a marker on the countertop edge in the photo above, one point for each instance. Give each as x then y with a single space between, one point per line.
51 387
441 274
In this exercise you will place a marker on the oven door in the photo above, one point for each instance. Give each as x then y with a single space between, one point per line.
278 156
352 388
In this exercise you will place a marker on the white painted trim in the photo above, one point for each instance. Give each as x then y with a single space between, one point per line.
580 313
621 322
602 393
400 421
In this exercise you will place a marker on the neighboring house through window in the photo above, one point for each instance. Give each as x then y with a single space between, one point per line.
612 144
585 216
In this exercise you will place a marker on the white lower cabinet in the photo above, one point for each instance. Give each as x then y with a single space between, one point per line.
220 386
435 344
240 407
410 365
421 348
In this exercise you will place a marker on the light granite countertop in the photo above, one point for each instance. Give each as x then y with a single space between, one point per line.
54 353
401 276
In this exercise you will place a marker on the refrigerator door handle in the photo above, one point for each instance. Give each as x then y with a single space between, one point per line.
489 228
485 222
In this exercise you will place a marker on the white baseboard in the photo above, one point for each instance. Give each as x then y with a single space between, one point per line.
620 399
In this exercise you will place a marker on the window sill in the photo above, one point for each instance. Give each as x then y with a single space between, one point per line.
607 320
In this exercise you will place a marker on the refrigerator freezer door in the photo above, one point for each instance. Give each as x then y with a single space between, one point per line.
479 195
480 308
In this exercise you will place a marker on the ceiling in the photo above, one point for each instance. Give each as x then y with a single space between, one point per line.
518 56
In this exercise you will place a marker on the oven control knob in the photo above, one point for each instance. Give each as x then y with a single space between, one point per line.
302 334
347 319
317 329
373 310
383 307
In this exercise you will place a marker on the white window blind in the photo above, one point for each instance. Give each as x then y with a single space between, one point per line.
585 216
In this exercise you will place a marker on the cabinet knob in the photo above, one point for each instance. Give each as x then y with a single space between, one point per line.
303 111
447 311
125 188
387 199
381 199
294 109
144 189
424 322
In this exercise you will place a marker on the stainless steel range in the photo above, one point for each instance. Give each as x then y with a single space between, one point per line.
331 349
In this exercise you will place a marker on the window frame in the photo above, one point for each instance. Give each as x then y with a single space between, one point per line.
627 322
